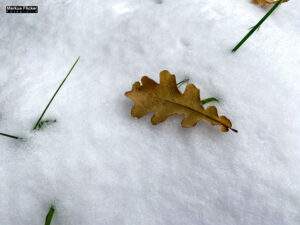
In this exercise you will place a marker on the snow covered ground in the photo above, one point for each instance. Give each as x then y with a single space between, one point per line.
98 165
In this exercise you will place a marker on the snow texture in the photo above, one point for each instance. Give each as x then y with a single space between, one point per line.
98 165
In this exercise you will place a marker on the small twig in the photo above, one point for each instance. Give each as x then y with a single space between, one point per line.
49 216
10 136
256 26
38 122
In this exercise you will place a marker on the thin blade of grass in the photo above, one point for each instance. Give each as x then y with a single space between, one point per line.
182 82
49 216
43 123
10 136
41 117
207 100
256 26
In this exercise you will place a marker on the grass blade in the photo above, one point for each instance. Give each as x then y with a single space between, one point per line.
204 101
43 123
10 136
49 216
207 100
41 117
182 82
256 26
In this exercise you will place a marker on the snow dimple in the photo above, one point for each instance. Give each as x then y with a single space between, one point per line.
158 1
185 42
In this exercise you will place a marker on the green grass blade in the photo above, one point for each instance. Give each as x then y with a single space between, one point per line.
207 100
256 26
43 123
49 216
10 136
41 117
182 82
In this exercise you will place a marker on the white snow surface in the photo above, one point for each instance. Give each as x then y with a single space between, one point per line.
99 165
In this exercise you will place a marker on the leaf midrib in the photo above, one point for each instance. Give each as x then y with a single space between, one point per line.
182 105
204 114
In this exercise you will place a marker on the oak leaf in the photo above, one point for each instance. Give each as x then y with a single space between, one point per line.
267 2
165 99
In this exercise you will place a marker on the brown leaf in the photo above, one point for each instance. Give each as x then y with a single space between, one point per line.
266 2
165 99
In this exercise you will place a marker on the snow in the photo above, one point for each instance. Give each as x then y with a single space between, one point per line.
98 165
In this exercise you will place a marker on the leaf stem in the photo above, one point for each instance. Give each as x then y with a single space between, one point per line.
256 26
234 130
10 136
49 216
38 122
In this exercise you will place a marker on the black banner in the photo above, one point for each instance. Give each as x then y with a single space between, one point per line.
21 9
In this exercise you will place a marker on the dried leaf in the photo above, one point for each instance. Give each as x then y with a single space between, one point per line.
267 2
165 99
